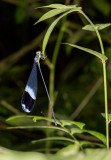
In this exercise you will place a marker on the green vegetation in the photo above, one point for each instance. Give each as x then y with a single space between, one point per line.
77 69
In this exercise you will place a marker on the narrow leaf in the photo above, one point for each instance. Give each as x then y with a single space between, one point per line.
27 120
15 117
20 120
97 54
93 133
59 6
53 138
47 35
109 116
70 150
50 14
38 127
76 130
98 26
37 118
97 135
91 144
69 123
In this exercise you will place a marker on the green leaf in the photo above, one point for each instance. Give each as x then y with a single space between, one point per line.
47 35
59 6
7 154
37 118
39 127
54 138
27 120
76 130
109 116
18 120
98 26
91 144
94 133
69 123
50 14
69 150
14 117
97 135
97 54
61 122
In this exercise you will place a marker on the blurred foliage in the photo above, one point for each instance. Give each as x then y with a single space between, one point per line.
70 152
76 72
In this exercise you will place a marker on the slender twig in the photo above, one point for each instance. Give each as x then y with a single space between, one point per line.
52 71
54 59
10 107
52 75
73 137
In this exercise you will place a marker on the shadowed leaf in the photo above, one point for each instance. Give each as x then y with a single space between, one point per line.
98 26
109 116
69 123
54 138
50 14
97 135
47 35
59 6
97 54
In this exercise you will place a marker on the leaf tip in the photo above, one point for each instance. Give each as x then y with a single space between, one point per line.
34 119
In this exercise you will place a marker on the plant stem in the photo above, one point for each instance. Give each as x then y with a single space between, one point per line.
96 30
54 59
106 105
73 137
105 79
52 75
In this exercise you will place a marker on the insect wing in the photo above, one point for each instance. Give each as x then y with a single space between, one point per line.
30 93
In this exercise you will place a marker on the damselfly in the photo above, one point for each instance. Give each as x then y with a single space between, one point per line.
30 93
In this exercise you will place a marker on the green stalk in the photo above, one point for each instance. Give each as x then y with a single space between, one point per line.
54 59
105 79
96 30
106 105
74 138
52 76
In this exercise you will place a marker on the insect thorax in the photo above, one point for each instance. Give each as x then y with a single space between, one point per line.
38 56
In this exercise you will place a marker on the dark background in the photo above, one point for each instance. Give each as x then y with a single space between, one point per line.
76 71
